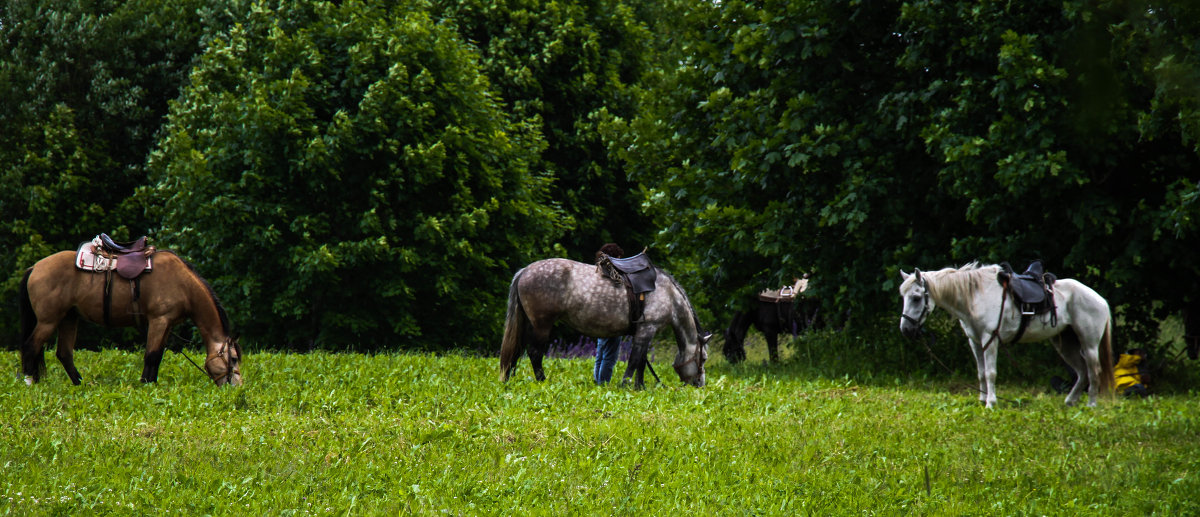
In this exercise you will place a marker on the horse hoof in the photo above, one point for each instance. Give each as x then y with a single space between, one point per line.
29 380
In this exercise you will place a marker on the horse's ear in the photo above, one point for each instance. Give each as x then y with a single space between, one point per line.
904 276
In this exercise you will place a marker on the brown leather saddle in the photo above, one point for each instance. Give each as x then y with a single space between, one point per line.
637 274
132 258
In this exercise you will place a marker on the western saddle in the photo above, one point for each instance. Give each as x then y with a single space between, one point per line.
131 257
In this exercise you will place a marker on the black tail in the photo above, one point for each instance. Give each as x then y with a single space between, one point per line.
28 318
33 365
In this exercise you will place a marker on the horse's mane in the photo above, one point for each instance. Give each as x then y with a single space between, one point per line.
961 283
225 327
695 319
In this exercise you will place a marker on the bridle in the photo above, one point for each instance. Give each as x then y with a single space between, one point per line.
701 353
223 353
919 321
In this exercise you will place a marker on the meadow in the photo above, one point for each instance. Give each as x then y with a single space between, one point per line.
353 434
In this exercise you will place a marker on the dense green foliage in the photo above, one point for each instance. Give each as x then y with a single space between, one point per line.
418 434
360 175
851 139
557 64
344 175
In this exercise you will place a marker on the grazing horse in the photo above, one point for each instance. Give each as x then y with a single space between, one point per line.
548 290
771 312
974 296
54 294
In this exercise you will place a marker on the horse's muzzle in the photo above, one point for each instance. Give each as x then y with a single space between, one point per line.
910 331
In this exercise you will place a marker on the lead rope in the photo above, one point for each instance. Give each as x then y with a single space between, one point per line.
1000 320
181 351
933 339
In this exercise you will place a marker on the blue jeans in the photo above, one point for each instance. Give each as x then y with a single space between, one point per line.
606 356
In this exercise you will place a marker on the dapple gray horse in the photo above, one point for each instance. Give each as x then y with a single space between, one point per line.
972 294
550 290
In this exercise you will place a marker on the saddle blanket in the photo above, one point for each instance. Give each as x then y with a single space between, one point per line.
86 258
786 293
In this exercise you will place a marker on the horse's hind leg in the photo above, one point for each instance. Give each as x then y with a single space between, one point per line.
537 349
536 353
67 331
1068 347
33 361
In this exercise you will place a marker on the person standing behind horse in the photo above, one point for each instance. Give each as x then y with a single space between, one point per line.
607 348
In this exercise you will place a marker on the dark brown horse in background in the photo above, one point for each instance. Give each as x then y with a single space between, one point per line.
556 289
771 312
55 295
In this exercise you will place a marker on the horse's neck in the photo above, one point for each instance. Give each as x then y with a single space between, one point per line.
683 316
205 314
949 294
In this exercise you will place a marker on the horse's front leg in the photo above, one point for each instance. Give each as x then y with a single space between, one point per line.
772 336
989 358
980 369
636 367
156 338
67 331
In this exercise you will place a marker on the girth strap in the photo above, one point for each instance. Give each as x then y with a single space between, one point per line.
135 286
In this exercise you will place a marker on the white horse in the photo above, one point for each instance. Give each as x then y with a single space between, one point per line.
974 296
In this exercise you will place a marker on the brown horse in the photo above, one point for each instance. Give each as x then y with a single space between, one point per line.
55 295
596 305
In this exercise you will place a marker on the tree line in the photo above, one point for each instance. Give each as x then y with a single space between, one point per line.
361 175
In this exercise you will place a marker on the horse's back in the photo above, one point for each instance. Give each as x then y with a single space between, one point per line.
556 288
1078 293
52 271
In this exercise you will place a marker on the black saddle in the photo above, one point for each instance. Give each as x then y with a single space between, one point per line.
1032 293
1033 288
637 274
639 270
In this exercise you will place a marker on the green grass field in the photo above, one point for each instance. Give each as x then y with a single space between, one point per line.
421 434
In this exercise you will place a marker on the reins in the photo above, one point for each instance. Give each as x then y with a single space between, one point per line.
928 348
181 351
1000 318
652 372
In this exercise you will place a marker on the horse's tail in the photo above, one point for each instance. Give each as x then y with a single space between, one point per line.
28 318
34 367
514 326
1107 378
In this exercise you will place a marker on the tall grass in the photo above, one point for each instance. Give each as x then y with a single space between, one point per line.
361 435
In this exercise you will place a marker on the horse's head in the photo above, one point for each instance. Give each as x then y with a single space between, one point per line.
224 363
689 364
917 304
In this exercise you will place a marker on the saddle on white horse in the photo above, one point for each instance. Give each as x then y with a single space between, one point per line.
1032 292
